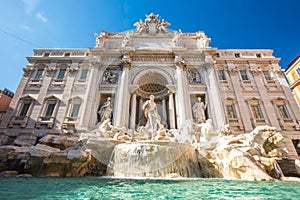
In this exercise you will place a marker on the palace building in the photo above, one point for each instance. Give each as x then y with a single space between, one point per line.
63 89
293 76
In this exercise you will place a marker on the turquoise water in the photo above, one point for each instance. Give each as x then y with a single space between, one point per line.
108 188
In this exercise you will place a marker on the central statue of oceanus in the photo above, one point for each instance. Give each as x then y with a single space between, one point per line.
153 118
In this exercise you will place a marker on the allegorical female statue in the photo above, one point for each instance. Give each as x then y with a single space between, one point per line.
105 111
199 111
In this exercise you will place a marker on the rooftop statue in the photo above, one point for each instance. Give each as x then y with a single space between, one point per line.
202 40
152 25
100 38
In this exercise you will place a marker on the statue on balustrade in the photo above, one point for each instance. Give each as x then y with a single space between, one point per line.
199 111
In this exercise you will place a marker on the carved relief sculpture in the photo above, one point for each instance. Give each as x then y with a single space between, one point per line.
193 76
110 76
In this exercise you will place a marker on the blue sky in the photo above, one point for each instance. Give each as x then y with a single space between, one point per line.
232 24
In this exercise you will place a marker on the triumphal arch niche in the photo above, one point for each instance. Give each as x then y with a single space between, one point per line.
175 67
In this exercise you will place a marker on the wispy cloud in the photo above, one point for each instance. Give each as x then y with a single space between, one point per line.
30 5
41 17
25 27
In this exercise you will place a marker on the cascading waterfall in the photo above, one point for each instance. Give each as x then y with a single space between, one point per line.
154 159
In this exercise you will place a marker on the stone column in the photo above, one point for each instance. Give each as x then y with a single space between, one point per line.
133 111
140 108
171 110
122 103
215 106
164 110
180 63
88 117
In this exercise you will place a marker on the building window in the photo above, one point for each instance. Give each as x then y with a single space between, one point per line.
46 54
48 114
244 75
230 111
72 116
294 75
283 111
50 109
24 109
61 74
258 55
39 74
267 75
237 55
67 54
256 111
221 75
217 55
83 74
23 113
298 71
75 110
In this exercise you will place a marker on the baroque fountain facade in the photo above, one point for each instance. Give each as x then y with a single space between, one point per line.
152 103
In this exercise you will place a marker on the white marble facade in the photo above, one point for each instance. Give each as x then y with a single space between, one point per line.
63 89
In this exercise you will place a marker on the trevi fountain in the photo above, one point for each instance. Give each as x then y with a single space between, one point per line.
165 134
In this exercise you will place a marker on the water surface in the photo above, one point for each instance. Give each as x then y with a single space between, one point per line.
112 188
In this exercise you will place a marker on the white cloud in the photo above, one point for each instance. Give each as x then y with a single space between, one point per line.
41 17
25 27
30 5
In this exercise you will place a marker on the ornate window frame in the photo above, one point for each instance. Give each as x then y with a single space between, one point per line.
269 80
286 123
236 121
34 82
246 84
70 119
23 112
59 82
48 112
221 76
258 104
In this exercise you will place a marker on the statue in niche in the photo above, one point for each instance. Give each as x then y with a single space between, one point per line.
199 111
110 76
193 77
152 116
105 112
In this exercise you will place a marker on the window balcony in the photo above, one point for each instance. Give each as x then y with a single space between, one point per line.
45 120
70 122
18 120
